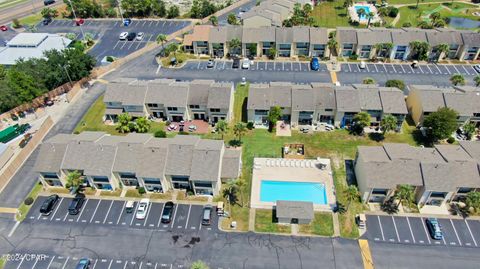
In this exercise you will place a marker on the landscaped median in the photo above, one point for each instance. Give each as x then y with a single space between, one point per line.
27 203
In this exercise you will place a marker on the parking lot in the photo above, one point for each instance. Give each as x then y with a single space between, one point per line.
110 212
426 69
256 66
107 33
413 230
42 261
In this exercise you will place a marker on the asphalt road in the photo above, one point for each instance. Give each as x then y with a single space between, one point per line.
222 20
24 180
23 9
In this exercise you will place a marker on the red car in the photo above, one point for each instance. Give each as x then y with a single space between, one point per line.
3 28
79 22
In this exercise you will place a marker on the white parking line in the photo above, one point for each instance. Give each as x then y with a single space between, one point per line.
403 68
95 211
121 212
134 213
188 216
133 42
110 265
106 215
20 264
163 23
396 231
283 66
160 219
81 212
198 65
35 264
411 68
148 213
65 264
123 45
274 65
200 226
95 263
300 65
150 25
156 24
291 66
55 212
448 70
470 231
50 263
174 215
265 65
125 266
349 68
368 70
426 232
144 23
466 70
376 69
428 66
455 230
118 42
439 71
411 232
381 229
458 72
421 70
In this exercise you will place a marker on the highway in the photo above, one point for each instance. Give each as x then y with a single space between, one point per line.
22 9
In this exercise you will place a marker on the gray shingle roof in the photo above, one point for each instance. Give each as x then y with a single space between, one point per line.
368 37
198 94
284 35
261 34
51 157
301 34
347 99
127 157
294 210
372 154
452 153
393 102
281 96
206 163
152 162
472 148
459 102
220 96
234 31
303 99
431 100
124 93
218 34
450 176
471 38
451 37
391 174
179 159
231 163
318 36
173 95
370 99
404 38
265 97
325 97
93 159
346 35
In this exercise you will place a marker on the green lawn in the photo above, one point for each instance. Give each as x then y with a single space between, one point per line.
330 14
264 222
23 209
322 224
2 263
31 20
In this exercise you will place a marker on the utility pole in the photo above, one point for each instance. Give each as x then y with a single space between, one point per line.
119 3
33 7
75 16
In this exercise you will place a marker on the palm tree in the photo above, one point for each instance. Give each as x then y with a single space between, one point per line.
239 129
420 48
123 125
229 192
361 120
172 47
241 184
221 127
477 80
457 79
405 193
332 46
351 194
346 4
370 16
383 49
74 180
213 20
388 123
232 19
442 49
161 39
234 44
142 125
473 200
361 12
469 129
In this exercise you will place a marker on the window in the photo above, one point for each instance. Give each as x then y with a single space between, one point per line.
464 190
319 47
172 108
152 105
203 184
266 44
284 46
302 45
50 176
151 181
194 106
100 179
379 192
214 109
328 109
347 46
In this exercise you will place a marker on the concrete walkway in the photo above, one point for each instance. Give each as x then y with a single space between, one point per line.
336 225
251 220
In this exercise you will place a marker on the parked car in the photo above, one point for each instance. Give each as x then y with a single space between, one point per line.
434 228
47 21
363 65
246 64
207 215
79 22
4 28
83 263
236 63
361 220
140 36
131 36
210 63
167 212
130 206
244 81
76 204
142 209
48 2
49 204
477 68
414 64
314 64
126 22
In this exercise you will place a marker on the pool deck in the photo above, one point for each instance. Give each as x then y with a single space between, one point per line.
292 170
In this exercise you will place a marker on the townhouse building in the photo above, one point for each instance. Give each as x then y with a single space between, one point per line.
270 12
324 103
170 101
138 160
423 100
438 175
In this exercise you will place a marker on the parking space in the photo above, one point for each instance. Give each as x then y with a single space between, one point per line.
255 66
107 33
427 69
413 230
110 212
42 261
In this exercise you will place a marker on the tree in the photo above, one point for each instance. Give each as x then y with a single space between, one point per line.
24 85
477 80
457 79
213 20
74 180
361 13
234 45
239 129
172 47
49 13
370 16
230 191
123 125
351 194
469 129
207 8
435 16
442 49
232 19
441 123
473 200
199 265
86 8
388 123
368 80
395 83
347 4
173 12
221 127
383 49
195 10
274 115
272 53
360 121
241 184
405 193
419 49
142 125
161 39
332 46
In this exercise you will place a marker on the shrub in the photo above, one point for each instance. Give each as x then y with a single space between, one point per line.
110 59
395 83
407 24
368 80
392 12
14 117
183 133
235 143
250 125
141 190
160 133
16 23
353 56
450 140
28 201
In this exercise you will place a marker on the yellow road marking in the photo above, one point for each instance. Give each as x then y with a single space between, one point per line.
333 75
8 210
366 254
179 39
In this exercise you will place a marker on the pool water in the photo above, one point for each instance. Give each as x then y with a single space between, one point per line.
458 22
366 8
271 191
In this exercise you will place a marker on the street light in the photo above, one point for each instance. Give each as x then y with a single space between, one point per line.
66 71
75 16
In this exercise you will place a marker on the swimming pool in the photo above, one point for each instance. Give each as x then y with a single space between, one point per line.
271 191
366 8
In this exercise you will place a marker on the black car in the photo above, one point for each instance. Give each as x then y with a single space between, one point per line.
236 63
49 204
207 215
76 205
167 212
47 21
131 36
48 2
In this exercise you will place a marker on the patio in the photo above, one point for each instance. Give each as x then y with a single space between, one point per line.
192 126
283 129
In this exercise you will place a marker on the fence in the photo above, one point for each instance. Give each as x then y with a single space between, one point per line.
17 162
